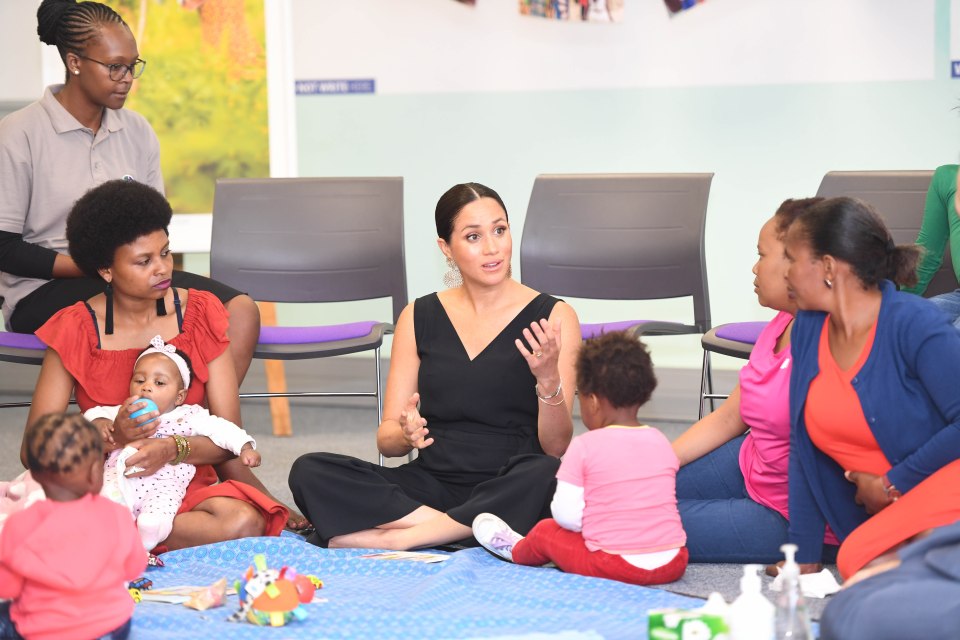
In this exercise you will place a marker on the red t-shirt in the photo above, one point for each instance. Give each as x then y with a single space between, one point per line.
103 377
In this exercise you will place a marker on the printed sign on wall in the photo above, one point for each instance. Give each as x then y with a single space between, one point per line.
955 38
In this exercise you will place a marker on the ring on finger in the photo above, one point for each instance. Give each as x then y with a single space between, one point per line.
538 354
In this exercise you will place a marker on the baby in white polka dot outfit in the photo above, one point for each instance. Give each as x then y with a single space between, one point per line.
162 374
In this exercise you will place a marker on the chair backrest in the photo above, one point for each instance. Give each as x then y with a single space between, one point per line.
310 239
619 236
898 196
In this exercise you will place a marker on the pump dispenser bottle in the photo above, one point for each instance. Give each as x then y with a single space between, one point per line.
751 614
792 618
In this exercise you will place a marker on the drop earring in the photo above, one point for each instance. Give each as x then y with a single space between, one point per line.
828 282
108 313
452 278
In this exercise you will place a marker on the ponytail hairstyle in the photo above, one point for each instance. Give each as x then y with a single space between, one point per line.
70 25
851 230
455 199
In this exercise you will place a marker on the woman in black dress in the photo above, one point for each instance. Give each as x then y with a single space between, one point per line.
480 384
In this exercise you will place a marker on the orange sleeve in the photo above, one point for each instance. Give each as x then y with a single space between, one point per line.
204 335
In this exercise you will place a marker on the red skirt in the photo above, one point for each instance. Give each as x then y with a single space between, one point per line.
204 485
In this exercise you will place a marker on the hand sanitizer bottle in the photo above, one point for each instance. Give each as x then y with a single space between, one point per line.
751 614
792 618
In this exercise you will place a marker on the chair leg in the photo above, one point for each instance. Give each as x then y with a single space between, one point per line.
276 379
706 383
279 407
376 357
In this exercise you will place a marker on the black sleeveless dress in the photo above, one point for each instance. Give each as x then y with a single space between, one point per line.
480 412
486 455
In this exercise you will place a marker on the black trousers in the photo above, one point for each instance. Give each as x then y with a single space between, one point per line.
340 494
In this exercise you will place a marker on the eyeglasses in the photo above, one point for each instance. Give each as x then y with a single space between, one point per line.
119 71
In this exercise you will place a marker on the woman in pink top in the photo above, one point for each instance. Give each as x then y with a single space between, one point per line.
732 487
614 510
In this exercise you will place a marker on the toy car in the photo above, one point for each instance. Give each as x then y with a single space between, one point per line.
140 583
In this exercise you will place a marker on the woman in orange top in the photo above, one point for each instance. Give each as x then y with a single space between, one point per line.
874 408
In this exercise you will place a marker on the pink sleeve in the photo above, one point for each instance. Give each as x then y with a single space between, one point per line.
571 468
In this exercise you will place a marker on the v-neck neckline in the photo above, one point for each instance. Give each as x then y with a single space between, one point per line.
500 333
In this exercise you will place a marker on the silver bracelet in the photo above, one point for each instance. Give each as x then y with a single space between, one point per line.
551 404
536 389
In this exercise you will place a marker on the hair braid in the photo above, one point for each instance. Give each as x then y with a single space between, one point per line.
71 25
57 442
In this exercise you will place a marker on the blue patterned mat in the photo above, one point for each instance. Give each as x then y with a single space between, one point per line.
472 595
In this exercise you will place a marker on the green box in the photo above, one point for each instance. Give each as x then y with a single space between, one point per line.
683 624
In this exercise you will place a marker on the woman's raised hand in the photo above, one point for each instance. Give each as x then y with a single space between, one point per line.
127 429
413 425
542 353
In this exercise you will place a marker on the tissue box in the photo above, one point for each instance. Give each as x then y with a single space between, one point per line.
683 624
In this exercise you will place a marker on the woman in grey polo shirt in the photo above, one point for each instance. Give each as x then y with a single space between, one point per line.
74 138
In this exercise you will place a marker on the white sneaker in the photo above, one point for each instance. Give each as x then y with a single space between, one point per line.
495 535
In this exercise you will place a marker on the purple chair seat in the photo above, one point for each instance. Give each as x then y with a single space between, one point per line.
21 348
588 331
10 340
746 332
316 334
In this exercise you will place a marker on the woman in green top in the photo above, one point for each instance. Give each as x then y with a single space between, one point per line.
940 223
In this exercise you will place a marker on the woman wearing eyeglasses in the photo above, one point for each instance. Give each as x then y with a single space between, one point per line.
78 136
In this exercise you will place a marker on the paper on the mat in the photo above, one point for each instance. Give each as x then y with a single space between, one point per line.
812 585
411 556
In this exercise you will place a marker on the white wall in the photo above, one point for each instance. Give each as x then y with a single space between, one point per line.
768 95
20 72
435 45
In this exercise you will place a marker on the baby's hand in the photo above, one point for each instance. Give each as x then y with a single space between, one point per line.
249 456
105 427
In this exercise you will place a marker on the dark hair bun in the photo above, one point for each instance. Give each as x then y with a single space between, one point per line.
49 16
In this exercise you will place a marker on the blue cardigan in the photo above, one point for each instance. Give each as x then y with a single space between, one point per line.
909 389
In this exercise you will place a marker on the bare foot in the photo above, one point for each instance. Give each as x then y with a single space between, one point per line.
297 522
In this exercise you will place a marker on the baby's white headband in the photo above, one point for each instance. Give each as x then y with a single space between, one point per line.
157 346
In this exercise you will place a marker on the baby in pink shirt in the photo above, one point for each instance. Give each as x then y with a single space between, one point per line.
65 560
615 508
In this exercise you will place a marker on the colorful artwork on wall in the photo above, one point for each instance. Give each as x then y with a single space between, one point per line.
574 10
676 6
204 91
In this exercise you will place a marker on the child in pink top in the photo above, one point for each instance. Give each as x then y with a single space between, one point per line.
65 561
615 508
